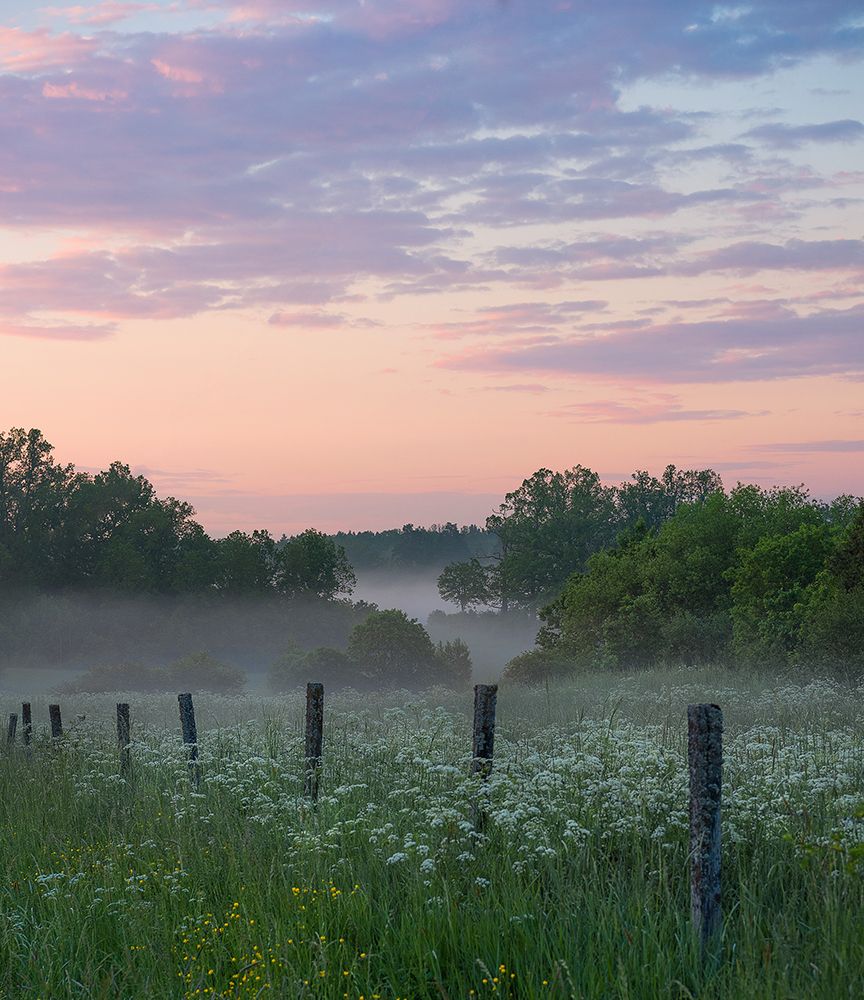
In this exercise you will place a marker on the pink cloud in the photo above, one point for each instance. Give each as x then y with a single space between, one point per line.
98 14
306 319
179 74
73 91
25 51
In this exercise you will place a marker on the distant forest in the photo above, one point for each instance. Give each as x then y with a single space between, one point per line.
668 569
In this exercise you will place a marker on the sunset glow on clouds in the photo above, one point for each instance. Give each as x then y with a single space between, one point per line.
352 264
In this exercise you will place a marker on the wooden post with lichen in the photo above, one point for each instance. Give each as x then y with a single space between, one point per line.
705 757
56 721
483 740
26 723
123 736
314 738
10 729
190 735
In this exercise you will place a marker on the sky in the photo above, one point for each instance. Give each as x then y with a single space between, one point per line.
356 263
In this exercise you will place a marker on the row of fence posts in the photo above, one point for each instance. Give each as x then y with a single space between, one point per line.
704 755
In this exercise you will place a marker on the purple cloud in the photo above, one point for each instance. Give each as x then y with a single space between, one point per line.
838 446
783 136
612 411
744 349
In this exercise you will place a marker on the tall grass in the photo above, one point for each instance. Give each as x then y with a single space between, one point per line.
577 887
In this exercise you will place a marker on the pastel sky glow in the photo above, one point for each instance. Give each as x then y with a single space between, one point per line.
351 263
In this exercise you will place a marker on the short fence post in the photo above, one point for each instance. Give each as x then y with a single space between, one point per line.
10 730
190 735
56 721
123 736
705 756
26 723
483 739
314 738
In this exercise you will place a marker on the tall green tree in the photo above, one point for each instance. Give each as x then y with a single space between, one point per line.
548 528
465 584
311 564
34 494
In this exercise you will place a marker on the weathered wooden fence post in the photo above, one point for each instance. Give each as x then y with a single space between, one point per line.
485 698
705 755
314 738
190 735
123 736
26 723
483 739
10 729
56 721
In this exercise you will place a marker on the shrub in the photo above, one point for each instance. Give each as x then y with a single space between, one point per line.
332 667
536 667
117 677
202 672
393 649
454 663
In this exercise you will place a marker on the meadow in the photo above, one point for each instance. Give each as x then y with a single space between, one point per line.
576 886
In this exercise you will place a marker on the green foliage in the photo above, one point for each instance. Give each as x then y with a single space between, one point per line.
555 521
106 677
393 649
722 576
412 547
847 562
454 664
296 667
110 532
769 581
313 564
537 667
202 672
196 672
465 583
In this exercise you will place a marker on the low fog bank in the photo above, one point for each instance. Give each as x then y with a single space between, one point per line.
414 593
46 641
57 635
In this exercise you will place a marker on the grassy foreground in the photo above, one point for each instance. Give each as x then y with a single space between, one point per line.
577 886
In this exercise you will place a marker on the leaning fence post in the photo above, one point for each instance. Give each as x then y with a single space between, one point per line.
26 723
190 735
123 736
483 739
10 730
705 755
56 721
314 737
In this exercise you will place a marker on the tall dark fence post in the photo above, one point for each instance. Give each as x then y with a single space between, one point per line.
314 737
190 735
123 736
10 729
705 755
56 721
485 698
26 723
483 740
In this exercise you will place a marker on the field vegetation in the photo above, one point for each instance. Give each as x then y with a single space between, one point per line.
575 886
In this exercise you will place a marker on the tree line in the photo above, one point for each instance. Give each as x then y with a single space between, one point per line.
61 529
